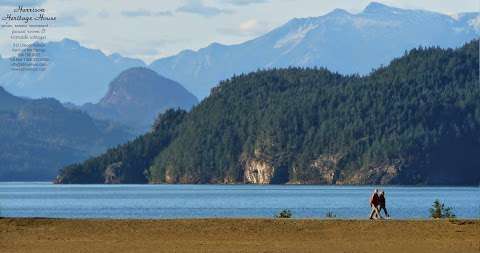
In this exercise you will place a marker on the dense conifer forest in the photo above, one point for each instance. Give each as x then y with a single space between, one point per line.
416 121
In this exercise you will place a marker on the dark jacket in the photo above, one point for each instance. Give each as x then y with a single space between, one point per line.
381 200
374 200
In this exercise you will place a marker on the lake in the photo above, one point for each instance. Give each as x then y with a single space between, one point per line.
200 201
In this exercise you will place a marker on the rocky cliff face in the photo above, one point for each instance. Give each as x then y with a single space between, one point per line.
262 171
326 165
112 173
380 174
258 172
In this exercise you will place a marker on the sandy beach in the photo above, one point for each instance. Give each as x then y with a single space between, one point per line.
238 235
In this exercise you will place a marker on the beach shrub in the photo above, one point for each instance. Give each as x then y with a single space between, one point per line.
330 215
284 214
439 211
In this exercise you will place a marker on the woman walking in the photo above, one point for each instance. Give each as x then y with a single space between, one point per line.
374 203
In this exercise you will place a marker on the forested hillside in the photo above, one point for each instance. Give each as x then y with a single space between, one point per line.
416 121
40 136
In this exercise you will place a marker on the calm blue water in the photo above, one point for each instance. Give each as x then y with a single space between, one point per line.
197 201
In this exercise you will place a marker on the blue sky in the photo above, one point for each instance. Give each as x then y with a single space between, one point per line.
151 29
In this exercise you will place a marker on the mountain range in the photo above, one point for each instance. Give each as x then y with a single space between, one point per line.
75 74
415 121
40 136
340 41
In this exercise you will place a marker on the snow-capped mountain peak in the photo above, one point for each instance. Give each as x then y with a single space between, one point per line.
295 37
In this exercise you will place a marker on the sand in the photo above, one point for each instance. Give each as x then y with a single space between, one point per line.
238 235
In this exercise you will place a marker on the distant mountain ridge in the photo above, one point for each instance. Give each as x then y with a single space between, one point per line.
340 41
75 73
136 96
9 102
39 136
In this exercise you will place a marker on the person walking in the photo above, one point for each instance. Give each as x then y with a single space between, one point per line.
383 205
374 202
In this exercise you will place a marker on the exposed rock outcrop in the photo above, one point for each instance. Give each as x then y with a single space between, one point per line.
112 173
327 168
170 178
378 174
258 172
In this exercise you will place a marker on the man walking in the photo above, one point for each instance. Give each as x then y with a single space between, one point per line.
374 202
383 204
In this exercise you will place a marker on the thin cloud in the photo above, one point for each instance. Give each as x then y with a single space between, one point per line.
70 19
67 21
251 27
21 3
146 13
103 14
246 2
141 51
199 8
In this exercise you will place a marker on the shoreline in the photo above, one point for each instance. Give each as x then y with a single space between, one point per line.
246 184
453 220
237 235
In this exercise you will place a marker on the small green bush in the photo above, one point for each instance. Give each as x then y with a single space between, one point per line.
284 214
439 211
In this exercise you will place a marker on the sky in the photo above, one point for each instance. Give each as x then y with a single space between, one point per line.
152 29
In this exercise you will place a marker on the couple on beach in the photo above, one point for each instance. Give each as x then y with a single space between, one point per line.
378 203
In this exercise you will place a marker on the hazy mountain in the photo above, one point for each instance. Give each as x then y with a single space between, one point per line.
137 96
340 41
4 65
416 121
9 102
40 136
75 74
